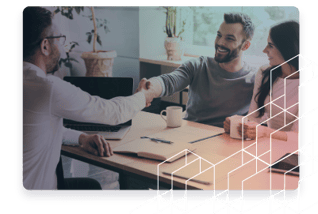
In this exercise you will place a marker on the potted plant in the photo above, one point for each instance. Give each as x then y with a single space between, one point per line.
97 62
173 42
68 59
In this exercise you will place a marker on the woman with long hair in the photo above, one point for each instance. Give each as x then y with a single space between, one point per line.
282 51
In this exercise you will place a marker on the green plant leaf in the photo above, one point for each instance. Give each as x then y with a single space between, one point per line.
62 60
72 59
98 40
89 38
68 64
72 46
78 10
106 29
181 32
57 10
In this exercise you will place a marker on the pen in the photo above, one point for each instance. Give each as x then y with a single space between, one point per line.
206 138
157 140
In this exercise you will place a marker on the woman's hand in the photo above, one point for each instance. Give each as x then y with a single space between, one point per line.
250 130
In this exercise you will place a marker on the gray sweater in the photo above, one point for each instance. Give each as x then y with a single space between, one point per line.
214 93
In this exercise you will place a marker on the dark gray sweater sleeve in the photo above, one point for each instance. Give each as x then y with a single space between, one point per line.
178 79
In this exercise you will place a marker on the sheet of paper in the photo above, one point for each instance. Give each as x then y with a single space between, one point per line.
179 136
148 146
185 134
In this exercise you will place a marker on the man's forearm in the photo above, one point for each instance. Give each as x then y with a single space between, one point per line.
156 86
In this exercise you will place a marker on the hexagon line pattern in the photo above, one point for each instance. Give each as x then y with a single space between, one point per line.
229 204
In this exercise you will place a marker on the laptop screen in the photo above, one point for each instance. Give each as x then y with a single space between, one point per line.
104 87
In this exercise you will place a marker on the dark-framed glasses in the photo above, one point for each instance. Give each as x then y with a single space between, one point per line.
62 38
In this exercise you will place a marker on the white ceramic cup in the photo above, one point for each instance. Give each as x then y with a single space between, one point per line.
174 116
235 120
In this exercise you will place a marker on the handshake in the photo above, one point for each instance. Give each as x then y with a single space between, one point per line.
151 89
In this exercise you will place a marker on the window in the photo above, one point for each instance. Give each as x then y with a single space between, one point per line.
202 24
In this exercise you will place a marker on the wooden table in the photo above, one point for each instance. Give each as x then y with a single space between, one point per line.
230 166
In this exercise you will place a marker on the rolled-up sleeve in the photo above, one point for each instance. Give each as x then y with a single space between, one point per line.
178 79
71 137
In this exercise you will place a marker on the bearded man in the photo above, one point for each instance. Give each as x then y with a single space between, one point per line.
219 87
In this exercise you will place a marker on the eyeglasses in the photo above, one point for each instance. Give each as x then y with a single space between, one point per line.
62 38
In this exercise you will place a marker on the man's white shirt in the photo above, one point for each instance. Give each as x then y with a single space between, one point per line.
46 101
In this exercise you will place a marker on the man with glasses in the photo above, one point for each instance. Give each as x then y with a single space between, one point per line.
47 100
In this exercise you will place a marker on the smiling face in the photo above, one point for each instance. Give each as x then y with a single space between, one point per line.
229 42
274 55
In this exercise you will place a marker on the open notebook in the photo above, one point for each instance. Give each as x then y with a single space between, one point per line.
167 152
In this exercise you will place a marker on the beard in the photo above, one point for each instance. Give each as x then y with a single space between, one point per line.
53 65
229 56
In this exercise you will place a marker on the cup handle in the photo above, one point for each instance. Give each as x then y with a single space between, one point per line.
162 115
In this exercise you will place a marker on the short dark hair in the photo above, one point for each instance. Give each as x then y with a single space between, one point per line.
245 20
35 21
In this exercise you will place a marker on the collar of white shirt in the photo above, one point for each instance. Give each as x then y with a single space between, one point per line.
27 66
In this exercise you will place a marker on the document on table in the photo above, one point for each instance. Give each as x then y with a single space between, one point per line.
167 152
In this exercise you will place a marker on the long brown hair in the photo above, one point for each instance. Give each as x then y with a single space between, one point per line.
285 37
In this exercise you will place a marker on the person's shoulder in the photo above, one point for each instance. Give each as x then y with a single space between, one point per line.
58 83
249 68
195 61
193 64
260 71
206 60
263 68
54 79
250 72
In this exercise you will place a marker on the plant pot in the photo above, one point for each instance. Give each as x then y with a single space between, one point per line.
99 64
174 48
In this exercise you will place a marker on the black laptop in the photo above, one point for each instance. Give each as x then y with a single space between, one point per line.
107 88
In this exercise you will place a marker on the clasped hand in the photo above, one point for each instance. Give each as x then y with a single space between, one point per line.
145 86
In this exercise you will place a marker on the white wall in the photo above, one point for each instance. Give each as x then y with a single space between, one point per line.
123 23
151 38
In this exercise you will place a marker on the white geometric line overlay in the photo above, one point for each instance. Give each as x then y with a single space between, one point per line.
271 199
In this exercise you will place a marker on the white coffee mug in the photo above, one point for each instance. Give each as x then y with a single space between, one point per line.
235 120
174 116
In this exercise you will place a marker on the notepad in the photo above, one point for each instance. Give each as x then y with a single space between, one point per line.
162 151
